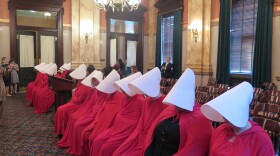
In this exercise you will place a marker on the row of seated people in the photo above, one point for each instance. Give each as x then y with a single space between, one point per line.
129 116
40 96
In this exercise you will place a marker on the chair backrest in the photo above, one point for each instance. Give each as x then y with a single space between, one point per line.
258 120
266 110
224 86
201 97
163 82
212 81
269 86
273 129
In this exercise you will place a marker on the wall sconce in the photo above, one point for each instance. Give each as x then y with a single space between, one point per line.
87 36
194 31
195 27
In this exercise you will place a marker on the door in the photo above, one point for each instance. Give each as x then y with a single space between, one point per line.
131 52
34 47
47 47
26 41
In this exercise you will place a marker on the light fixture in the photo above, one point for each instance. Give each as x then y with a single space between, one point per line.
118 4
194 27
47 14
87 34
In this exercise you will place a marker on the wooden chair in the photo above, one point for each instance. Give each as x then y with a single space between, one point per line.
258 120
265 110
223 86
212 81
273 129
169 82
269 86
163 82
201 97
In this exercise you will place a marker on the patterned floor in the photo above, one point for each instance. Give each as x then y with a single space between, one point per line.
25 133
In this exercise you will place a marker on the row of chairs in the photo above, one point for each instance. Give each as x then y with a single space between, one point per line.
265 110
166 85
272 128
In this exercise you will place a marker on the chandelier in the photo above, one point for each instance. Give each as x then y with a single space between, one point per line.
118 4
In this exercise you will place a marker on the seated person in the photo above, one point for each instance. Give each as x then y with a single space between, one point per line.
182 129
63 70
125 121
237 136
81 93
149 86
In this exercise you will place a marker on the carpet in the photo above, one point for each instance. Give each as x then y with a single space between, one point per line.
25 133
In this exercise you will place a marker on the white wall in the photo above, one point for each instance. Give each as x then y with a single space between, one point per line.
214 47
67 45
276 50
102 49
4 40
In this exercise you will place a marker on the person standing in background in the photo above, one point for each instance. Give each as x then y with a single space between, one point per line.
14 76
2 94
6 74
122 66
167 68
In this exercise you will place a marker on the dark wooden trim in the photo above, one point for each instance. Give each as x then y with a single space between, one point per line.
40 5
165 6
136 15
35 3
35 28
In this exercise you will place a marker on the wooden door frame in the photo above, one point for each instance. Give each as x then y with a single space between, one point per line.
136 15
40 5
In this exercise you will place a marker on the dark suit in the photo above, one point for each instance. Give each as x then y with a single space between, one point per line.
167 70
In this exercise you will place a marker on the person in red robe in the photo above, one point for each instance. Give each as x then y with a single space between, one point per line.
237 136
31 85
81 93
182 129
125 121
45 96
87 111
41 84
149 85
82 122
99 110
63 71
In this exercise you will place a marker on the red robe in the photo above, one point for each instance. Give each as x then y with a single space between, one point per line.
106 116
44 97
80 114
134 144
63 112
125 123
195 131
31 85
252 142
62 75
81 124
43 82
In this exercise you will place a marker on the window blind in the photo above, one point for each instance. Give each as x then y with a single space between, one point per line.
243 25
167 29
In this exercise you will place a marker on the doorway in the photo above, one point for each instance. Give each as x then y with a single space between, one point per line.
34 47
125 38
36 34
124 47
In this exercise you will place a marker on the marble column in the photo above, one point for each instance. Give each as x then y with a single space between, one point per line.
85 33
198 55
152 34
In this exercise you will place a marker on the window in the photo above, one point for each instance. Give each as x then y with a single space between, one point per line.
167 29
243 26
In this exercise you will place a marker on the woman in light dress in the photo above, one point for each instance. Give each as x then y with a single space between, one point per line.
14 76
